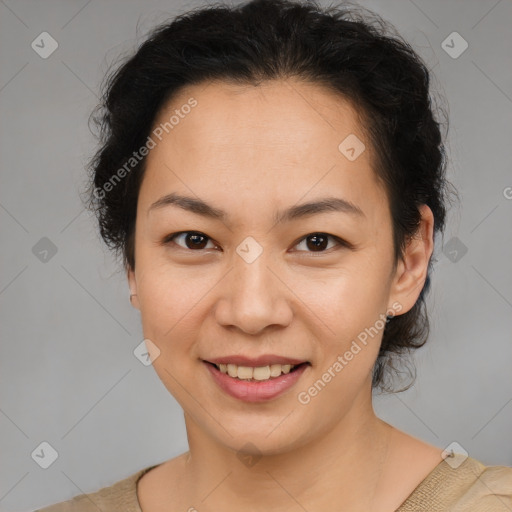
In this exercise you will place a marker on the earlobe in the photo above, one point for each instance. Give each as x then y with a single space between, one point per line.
132 283
412 268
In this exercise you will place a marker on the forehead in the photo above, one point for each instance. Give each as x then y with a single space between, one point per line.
279 140
277 115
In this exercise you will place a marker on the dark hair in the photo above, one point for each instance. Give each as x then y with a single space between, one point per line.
351 53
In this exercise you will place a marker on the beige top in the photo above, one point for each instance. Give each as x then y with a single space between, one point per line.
470 487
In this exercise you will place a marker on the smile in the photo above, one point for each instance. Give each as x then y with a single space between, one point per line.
258 373
256 384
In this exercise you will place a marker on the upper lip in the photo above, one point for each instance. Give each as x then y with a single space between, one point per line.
263 360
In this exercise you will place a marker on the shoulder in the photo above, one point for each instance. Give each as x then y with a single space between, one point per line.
121 495
463 484
489 488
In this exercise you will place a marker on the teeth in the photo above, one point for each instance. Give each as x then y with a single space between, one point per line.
232 370
275 370
258 373
244 372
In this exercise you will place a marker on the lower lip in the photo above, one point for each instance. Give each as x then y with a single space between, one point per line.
254 391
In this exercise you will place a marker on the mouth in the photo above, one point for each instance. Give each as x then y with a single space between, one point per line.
256 373
256 383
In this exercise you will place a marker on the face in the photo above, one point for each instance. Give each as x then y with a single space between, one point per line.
242 273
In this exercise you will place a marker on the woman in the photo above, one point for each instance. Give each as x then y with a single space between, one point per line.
273 176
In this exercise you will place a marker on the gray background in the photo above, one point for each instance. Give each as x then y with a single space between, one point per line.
68 373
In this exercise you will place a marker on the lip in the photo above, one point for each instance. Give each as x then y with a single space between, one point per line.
263 360
255 391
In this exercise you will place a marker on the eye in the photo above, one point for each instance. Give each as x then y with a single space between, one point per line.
319 242
193 240
312 243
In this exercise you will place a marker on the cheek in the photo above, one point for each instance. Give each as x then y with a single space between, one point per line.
175 304
168 296
348 332
170 306
350 306
347 297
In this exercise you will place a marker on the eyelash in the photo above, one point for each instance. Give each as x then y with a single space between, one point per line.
341 243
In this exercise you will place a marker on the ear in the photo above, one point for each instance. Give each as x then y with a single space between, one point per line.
132 283
411 271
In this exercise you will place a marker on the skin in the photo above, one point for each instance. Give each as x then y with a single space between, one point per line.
253 151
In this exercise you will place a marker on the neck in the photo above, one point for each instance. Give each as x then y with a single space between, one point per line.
337 471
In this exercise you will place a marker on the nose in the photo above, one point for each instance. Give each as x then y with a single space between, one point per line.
253 297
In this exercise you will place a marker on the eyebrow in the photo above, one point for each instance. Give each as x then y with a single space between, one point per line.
199 207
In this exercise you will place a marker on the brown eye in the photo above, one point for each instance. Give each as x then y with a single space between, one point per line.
192 240
318 242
